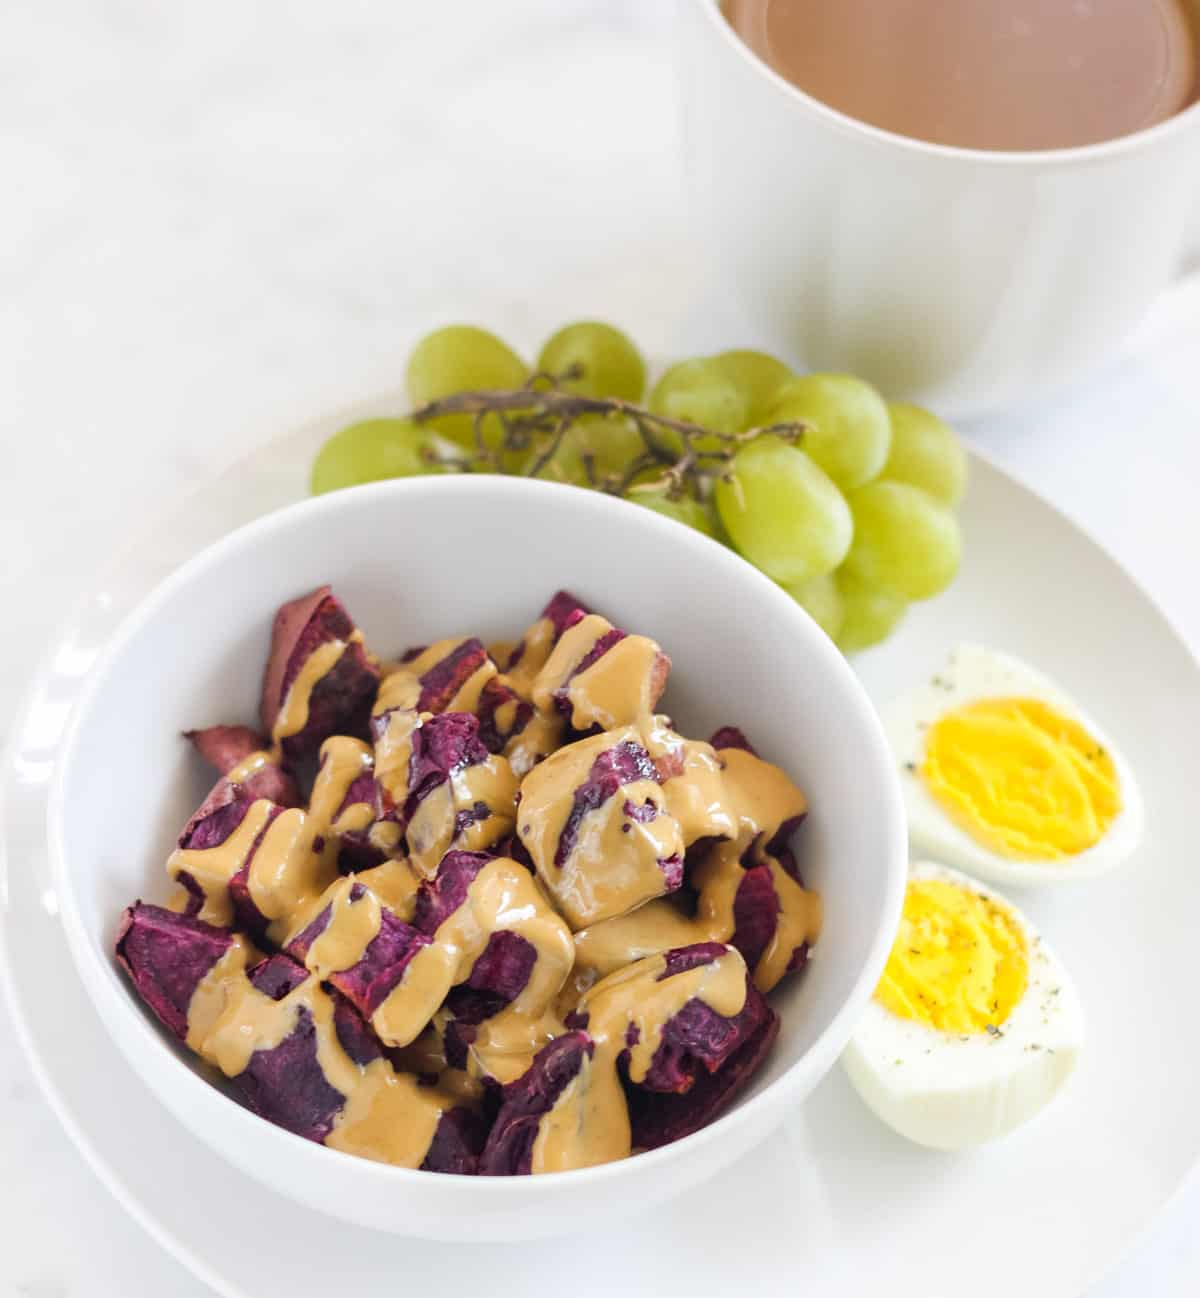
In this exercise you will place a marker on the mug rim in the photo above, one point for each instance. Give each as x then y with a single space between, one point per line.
1080 154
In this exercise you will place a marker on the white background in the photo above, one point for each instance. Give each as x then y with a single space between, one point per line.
219 219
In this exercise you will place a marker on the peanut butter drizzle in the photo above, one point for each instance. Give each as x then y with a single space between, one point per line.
540 736
589 1123
293 712
536 646
798 921
395 883
751 797
287 874
613 865
613 691
213 867
353 925
250 765
387 1116
466 698
699 798
430 832
500 651
297 858
502 896
602 949
397 701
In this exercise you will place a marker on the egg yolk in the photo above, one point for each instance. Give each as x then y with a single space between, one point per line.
1021 778
959 960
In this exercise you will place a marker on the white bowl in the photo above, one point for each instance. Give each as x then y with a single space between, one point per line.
427 557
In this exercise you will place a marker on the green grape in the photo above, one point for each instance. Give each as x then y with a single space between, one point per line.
868 615
687 510
926 453
905 542
609 443
849 430
822 600
697 392
783 513
456 359
370 451
757 376
611 364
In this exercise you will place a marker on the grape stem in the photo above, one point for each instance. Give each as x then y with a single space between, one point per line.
542 413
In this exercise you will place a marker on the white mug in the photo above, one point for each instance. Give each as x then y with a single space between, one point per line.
963 279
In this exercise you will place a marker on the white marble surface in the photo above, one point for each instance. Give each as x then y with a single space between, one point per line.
221 218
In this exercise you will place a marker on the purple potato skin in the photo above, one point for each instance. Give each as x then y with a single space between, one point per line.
509 1148
166 955
367 983
340 702
225 747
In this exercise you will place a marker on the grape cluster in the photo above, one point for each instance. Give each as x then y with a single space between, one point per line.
855 522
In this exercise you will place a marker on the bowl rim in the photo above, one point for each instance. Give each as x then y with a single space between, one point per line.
98 973
1076 155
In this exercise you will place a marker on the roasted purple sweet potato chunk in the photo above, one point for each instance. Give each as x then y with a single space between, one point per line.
697 1039
444 745
563 610
356 850
224 747
442 895
498 977
446 676
504 967
227 748
339 700
577 681
367 982
625 763
459 794
658 1118
600 790
731 737
166 955
755 914
457 1143
286 1084
509 1148
218 817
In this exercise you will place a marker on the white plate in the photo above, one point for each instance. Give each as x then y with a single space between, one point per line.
836 1201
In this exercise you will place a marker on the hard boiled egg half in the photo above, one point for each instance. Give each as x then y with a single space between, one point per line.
974 1026
1004 775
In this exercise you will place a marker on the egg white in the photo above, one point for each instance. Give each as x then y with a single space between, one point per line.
952 1091
974 673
